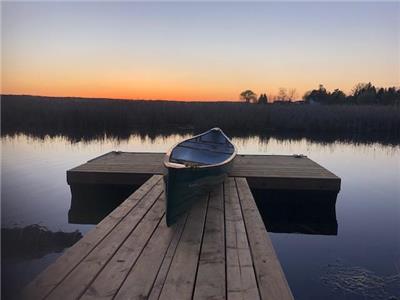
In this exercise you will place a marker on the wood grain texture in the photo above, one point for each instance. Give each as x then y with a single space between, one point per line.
210 280
80 278
241 280
111 277
271 280
181 277
141 279
164 269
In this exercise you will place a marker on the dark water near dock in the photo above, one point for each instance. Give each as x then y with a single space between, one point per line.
353 254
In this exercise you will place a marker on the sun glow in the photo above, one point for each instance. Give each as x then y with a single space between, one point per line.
144 51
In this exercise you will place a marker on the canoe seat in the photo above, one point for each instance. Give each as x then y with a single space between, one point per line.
187 163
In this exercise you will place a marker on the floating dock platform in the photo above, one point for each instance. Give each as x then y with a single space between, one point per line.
261 171
219 250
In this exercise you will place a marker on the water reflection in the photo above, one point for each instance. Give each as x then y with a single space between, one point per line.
367 210
96 134
34 241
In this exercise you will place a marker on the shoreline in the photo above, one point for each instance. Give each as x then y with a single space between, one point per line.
87 119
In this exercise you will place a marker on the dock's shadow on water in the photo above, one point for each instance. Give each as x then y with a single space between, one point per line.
306 212
298 211
92 203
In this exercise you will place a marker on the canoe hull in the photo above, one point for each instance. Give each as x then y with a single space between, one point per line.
193 168
183 187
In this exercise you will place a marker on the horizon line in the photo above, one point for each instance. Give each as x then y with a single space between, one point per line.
123 99
271 97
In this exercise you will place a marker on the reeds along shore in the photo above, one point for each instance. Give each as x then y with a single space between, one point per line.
79 118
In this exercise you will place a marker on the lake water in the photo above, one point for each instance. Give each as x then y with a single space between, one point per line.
359 261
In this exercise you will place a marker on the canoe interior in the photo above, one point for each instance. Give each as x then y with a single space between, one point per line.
209 148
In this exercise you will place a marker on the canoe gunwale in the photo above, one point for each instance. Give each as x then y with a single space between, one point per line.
168 164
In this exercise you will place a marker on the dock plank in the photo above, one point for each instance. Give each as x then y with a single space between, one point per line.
162 273
182 273
241 280
210 280
140 281
261 171
271 281
112 276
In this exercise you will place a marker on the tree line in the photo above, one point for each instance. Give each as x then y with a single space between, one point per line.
362 93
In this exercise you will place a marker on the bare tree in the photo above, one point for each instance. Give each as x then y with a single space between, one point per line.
282 95
292 94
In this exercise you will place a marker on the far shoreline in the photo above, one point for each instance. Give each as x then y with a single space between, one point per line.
90 118
121 99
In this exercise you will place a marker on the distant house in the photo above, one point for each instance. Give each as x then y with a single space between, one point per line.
312 101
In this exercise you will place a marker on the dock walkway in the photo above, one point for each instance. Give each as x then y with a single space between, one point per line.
220 249
261 171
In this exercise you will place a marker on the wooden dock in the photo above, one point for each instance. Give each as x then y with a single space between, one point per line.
261 171
219 250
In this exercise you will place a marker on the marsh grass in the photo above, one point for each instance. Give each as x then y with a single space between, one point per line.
79 118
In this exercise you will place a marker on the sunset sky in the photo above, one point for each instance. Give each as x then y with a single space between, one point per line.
196 51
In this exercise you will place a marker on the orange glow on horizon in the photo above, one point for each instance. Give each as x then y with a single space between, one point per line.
95 79
123 90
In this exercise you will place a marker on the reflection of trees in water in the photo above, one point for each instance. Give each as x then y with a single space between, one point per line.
34 241
88 119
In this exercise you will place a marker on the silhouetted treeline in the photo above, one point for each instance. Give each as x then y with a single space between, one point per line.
79 118
363 93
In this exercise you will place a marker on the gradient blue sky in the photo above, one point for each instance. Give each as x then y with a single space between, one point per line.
196 51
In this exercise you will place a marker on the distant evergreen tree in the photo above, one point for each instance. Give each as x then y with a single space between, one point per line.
337 97
365 93
390 96
263 99
362 93
380 95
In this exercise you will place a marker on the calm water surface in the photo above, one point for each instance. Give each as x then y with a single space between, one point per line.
361 262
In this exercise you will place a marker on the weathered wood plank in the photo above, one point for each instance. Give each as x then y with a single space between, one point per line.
142 276
111 277
263 171
271 280
210 280
163 272
241 280
55 273
80 278
181 277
